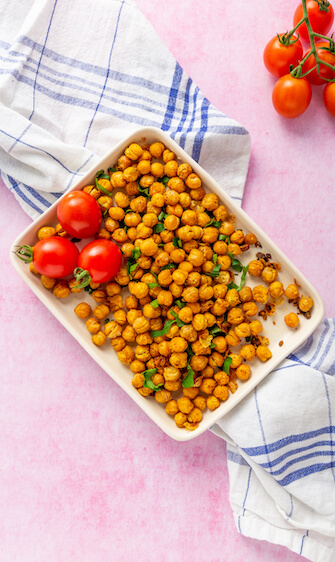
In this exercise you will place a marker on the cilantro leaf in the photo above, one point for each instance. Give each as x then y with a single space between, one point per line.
153 285
215 271
112 170
225 238
214 223
188 381
215 330
177 242
168 266
101 174
148 382
98 186
180 304
235 263
163 180
164 331
179 322
155 303
226 365
215 258
159 228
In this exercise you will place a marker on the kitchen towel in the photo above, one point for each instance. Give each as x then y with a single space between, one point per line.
76 79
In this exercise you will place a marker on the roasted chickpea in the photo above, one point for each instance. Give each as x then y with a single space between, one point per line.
263 353
199 362
232 297
171 222
118 343
220 248
164 279
255 268
245 294
138 379
190 294
180 419
292 292
260 294
189 333
232 386
101 311
134 151
234 249
250 308
112 330
141 325
195 416
199 322
221 378
45 232
224 262
165 298
61 290
248 352
210 235
269 274
179 360
179 277
256 327
142 353
93 325
115 303
216 360
47 282
168 155
132 315
212 402
138 205
220 213
219 307
99 338
184 170
186 266
232 339
276 289
205 292
243 330
172 407
186 314
305 304
122 277
132 219
144 391
220 291
33 269
250 239
177 184
185 405
178 344
220 344
184 199
129 334
291 320
191 393
193 182
221 392
120 317
83 310
210 201
132 188
148 247
170 168
163 396
243 372
200 402
227 228
156 149
196 258
189 217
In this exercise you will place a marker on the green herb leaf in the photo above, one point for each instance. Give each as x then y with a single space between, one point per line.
148 382
180 304
107 320
225 238
112 170
155 303
132 267
153 285
177 242
168 266
101 174
161 215
215 271
235 263
226 365
188 381
98 186
214 223
163 180
159 228
164 331
179 322
232 286
215 258
215 330
248 338
143 190
88 289
242 281
136 252
213 345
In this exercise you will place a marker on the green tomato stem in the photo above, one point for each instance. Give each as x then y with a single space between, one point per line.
296 72
83 274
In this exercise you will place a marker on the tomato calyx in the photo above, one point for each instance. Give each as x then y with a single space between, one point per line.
82 276
25 253
286 38
323 5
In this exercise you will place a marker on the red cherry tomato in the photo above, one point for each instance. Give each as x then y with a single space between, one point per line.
291 96
313 77
102 259
320 20
278 57
55 257
329 98
79 214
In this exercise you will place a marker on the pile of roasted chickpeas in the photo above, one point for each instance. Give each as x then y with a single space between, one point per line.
190 325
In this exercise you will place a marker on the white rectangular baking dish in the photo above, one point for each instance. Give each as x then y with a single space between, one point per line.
106 357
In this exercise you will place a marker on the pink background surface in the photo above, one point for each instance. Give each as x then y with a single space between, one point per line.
85 475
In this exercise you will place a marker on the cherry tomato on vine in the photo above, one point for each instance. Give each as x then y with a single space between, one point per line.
329 98
320 19
99 262
55 257
291 96
278 57
323 52
79 214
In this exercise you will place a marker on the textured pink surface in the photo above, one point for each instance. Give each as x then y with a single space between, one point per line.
85 475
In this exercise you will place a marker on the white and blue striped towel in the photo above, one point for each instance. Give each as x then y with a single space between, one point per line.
78 76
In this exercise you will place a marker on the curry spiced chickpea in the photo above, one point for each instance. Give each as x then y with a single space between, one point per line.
189 306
